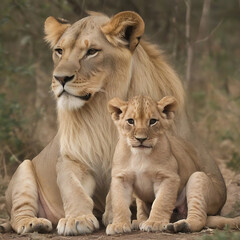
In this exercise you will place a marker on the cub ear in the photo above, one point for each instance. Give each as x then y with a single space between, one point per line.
167 107
116 106
125 28
54 28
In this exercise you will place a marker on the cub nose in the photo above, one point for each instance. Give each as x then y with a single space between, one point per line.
141 140
64 79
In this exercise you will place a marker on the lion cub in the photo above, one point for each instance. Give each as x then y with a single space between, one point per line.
142 164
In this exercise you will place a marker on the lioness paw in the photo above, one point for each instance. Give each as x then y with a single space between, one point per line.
152 226
29 225
76 226
116 228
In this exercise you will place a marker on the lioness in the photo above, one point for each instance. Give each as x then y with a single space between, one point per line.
95 59
161 169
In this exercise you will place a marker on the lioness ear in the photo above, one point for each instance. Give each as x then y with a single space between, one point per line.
167 107
116 106
125 28
54 28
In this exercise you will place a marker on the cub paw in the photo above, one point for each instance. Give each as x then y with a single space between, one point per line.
107 219
117 228
76 226
136 224
29 225
179 226
5 227
152 226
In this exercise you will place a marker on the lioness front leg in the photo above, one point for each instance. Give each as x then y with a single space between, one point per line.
203 198
22 201
163 205
121 196
76 187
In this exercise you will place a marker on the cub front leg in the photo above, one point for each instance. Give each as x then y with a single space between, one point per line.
22 201
76 187
143 211
165 197
121 197
107 216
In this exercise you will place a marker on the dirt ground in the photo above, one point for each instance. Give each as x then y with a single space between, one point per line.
231 208
136 235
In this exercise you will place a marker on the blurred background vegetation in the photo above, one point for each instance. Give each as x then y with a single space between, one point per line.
207 57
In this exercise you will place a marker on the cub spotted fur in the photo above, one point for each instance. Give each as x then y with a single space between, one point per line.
162 170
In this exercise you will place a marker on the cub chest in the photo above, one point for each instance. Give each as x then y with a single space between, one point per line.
143 179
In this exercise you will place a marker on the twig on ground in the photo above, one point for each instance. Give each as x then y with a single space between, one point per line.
4 166
14 156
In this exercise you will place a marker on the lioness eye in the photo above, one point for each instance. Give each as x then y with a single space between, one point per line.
92 51
130 121
59 51
152 121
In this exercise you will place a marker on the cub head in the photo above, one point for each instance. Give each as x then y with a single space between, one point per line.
142 120
88 54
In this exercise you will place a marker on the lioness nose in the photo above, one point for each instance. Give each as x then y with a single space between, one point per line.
141 140
64 79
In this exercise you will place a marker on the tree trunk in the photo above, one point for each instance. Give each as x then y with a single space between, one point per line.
46 126
203 31
204 22
189 44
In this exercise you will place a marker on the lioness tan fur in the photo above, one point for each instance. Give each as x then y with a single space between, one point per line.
95 59
161 169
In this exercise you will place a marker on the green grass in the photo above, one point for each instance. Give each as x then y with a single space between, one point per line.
222 235
234 163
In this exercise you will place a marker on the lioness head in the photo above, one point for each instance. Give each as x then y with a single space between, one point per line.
141 120
87 53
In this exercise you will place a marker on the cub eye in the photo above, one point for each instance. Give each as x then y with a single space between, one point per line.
130 121
92 51
59 51
153 121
